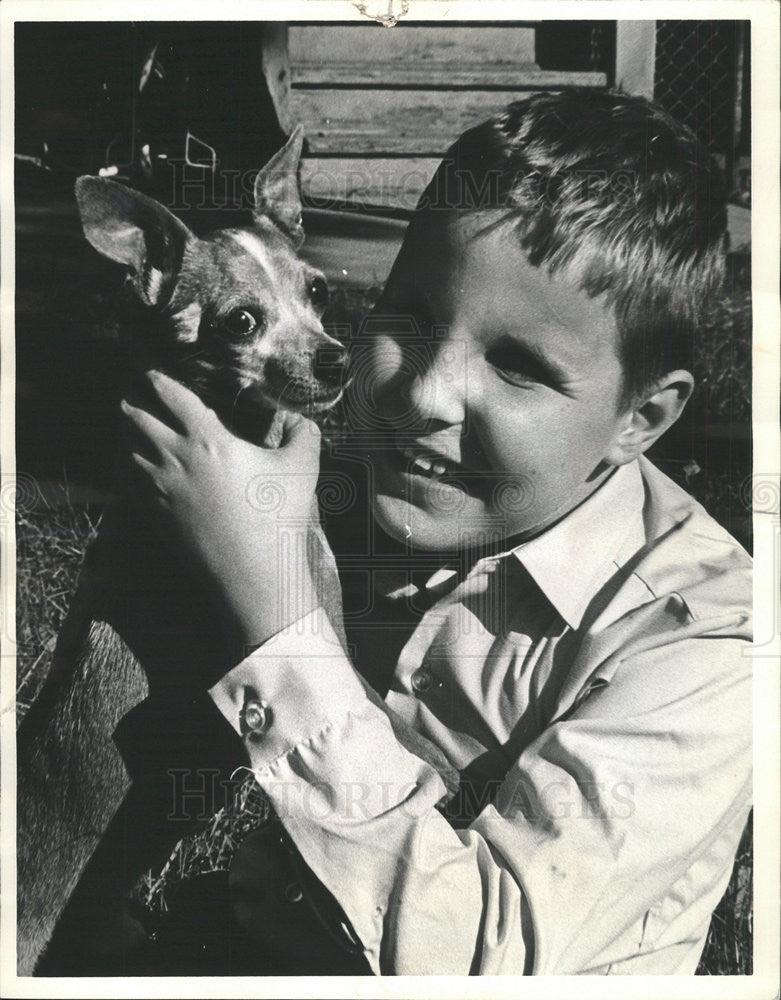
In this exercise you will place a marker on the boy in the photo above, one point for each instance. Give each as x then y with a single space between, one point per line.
574 644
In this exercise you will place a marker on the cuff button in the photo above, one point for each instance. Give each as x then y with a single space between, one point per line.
255 718
422 680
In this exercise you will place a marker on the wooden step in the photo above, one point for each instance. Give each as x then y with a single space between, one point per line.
390 122
441 76
411 45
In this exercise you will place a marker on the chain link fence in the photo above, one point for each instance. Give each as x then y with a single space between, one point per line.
702 80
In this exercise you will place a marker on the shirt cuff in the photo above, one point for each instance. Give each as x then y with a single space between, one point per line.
289 689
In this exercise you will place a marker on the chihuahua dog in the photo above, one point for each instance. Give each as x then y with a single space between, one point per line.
235 316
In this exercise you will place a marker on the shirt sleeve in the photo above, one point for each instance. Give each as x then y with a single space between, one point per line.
596 820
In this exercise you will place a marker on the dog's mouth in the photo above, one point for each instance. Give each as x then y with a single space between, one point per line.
312 389
252 412
248 403
301 396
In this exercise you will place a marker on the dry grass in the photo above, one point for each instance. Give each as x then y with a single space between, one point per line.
209 849
50 542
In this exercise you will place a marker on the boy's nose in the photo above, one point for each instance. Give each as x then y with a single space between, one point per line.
437 385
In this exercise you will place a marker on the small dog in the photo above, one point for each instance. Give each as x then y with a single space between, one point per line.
235 316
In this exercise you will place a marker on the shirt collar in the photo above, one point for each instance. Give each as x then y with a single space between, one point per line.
571 560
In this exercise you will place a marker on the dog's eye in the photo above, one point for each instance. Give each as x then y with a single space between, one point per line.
241 322
318 292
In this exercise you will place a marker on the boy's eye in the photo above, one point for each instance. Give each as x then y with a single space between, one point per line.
518 365
241 322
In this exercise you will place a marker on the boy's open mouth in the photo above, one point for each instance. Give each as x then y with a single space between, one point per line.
430 468
428 475
429 464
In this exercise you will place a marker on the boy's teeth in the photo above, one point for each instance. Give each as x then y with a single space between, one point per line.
424 464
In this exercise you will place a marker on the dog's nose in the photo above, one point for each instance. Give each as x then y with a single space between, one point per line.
330 363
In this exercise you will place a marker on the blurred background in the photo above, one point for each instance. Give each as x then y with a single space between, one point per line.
187 112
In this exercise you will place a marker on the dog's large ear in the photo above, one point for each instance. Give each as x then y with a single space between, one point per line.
132 229
277 195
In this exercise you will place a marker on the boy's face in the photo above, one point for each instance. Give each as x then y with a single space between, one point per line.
483 366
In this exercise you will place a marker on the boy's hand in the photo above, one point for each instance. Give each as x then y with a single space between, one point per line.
240 511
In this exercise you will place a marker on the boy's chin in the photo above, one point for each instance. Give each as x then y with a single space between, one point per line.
410 526
427 531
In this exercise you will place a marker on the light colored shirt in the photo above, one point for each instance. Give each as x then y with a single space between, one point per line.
594 684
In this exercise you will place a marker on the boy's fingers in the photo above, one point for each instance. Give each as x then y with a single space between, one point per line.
142 394
149 427
145 476
147 467
181 403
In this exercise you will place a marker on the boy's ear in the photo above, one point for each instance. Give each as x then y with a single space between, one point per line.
650 416
276 189
132 229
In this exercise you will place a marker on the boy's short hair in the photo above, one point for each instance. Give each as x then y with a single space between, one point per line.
613 183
